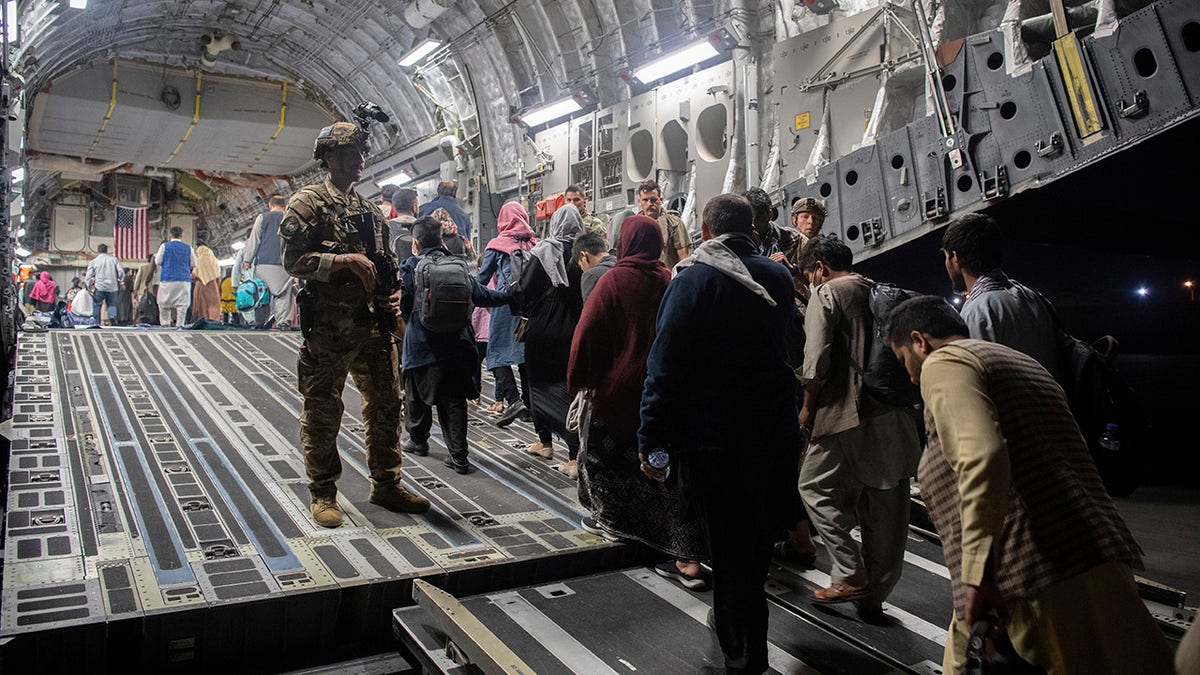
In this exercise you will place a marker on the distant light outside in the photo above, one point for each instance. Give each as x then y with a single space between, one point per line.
79 4
399 178
418 53
238 245
956 300
1143 291
676 61
13 24
550 112
18 174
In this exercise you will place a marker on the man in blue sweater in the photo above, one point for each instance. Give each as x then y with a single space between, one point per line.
731 429
438 367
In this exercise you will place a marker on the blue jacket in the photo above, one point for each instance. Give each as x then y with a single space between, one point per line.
461 219
717 376
424 348
503 348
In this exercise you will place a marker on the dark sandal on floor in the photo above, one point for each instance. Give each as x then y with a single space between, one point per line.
784 551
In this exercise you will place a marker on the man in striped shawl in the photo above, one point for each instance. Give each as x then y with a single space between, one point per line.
1033 543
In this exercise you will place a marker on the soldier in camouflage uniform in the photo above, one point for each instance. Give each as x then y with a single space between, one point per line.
341 333
575 196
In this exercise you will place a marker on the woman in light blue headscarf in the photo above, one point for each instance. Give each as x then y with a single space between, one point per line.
552 304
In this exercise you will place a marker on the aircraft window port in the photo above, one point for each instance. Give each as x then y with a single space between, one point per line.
1144 62
641 154
826 189
964 183
995 60
949 82
1008 110
851 177
1022 159
712 140
1191 36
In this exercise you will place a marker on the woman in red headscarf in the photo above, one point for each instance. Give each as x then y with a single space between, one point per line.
496 271
44 293
608 356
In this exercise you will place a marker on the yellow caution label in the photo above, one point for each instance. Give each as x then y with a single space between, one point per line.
802 121
1079 89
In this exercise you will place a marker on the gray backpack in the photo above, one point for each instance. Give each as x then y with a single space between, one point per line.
443 287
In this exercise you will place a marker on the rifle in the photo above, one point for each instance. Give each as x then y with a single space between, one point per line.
387 279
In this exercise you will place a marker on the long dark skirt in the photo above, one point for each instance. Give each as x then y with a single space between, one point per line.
624 501
550 405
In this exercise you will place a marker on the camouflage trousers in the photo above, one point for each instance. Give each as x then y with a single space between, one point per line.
325 360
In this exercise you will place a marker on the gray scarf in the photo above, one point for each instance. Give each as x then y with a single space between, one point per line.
564 225
717 255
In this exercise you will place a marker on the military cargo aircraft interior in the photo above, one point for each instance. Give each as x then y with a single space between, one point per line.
705 297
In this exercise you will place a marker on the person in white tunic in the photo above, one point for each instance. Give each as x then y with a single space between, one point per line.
175 260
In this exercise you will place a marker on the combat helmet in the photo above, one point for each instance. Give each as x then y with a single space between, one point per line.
337 135
810 205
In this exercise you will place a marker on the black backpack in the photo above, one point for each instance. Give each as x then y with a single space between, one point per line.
884 377
443 285
518 260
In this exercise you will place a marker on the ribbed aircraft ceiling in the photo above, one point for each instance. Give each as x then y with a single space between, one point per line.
497 56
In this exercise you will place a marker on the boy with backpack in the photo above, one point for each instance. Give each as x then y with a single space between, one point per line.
438 294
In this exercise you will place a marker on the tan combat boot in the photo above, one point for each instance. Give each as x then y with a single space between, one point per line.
396 498
326 512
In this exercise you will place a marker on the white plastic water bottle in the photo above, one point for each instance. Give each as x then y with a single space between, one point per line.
659 459
1109 439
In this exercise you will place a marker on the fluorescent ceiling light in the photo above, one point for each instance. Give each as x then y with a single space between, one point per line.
399 178
550 112
13 23
225 262
21 232
18 174
417 54
22 251
676 61
78 4
238 245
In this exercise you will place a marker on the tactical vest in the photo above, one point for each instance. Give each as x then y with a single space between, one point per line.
177 261
268 240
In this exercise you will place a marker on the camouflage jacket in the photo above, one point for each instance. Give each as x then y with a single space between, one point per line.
313 234
592 223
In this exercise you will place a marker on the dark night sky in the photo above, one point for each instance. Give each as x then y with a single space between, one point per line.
1091 239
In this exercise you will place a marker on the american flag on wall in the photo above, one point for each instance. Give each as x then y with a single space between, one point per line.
132 233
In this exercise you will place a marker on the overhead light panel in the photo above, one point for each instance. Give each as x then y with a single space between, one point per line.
18 174
10 15
79 4
418 54
697 52
399 178
225 262
238 245
22 252
551 112
21 232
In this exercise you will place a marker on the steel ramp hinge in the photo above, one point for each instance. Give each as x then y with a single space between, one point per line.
996 185
468 640
1138 108
935 204
1053 148
872 232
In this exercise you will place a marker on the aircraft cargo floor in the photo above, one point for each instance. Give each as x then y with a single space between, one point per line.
157 519
158 508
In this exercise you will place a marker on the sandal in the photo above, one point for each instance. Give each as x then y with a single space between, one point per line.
787 553
495 408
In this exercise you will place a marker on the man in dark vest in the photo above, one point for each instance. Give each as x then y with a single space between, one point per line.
176 260
262 253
